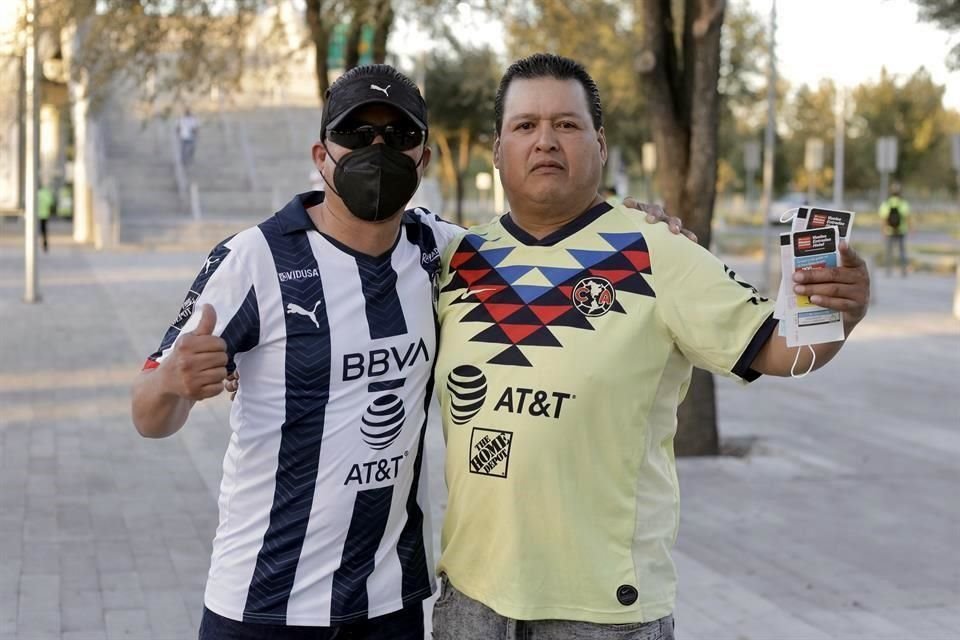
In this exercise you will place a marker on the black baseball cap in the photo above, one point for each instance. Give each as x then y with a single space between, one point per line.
372 84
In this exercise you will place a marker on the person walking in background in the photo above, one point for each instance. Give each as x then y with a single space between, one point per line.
46 205
895 215
187 127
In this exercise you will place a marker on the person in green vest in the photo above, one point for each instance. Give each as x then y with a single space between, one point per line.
895 217
46 205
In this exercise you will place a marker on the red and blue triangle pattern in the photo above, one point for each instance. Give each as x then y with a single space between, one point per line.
518 315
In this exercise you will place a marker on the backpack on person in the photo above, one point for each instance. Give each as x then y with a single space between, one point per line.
893 218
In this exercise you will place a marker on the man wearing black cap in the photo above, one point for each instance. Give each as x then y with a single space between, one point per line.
327 312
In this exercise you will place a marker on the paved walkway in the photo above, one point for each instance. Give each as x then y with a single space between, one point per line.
843 524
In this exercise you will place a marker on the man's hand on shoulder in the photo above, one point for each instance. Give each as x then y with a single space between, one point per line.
655 213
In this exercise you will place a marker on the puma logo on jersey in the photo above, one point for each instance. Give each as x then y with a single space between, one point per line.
373 86
294 308
209 263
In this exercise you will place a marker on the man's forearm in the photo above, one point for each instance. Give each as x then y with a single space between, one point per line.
157 412
777 359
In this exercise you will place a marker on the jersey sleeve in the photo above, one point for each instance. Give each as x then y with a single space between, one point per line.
225 283
444 232
719 322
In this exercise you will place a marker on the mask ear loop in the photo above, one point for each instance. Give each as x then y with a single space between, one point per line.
796 359
789 215
329 183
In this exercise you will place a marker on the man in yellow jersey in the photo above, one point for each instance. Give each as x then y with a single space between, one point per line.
569 329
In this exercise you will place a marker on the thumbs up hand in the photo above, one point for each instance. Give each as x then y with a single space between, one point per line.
208 321
197 366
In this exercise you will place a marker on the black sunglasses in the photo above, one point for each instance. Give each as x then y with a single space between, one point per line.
401 138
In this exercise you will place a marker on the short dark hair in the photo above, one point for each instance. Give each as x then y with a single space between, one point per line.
549 65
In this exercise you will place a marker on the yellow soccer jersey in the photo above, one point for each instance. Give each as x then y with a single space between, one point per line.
561 365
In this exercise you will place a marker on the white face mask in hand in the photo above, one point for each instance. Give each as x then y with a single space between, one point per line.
789 215
796 359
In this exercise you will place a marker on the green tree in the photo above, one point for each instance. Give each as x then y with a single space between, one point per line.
190 45
743 87
461 86
810 115
912 111
193 45
945 14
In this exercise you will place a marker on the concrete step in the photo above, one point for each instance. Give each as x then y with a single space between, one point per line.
143 179
184 232
236 203
140 158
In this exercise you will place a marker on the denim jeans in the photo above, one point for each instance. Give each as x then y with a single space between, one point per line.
898 242
406 624
458 617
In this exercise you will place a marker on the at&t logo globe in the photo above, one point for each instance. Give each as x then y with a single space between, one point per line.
382 421
468 390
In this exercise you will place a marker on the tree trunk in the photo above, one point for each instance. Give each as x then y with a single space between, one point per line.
447 165
351 53
684 107
463 162
458 218
320 36
697 433
383 24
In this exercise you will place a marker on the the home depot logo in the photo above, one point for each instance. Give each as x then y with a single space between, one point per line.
490 452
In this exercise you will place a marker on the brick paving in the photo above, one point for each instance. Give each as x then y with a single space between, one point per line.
844 522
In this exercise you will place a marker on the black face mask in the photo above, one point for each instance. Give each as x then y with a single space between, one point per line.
375 181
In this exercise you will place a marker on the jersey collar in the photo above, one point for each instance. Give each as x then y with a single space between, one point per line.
565 231
294 217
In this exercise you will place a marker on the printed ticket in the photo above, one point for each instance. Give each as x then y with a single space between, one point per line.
808 323
807 218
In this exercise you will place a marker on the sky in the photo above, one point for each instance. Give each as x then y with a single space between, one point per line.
851 40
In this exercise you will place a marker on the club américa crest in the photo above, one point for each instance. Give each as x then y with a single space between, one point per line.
593 296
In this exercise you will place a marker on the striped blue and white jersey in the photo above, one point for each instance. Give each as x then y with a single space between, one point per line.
324 515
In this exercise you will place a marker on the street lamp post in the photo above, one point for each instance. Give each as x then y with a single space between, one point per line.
839 144
751 163
649 161
32 169
813 163
886 162
955 148
769 150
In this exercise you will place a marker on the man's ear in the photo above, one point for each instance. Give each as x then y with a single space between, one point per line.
602 139
496 152
319 154
425 160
